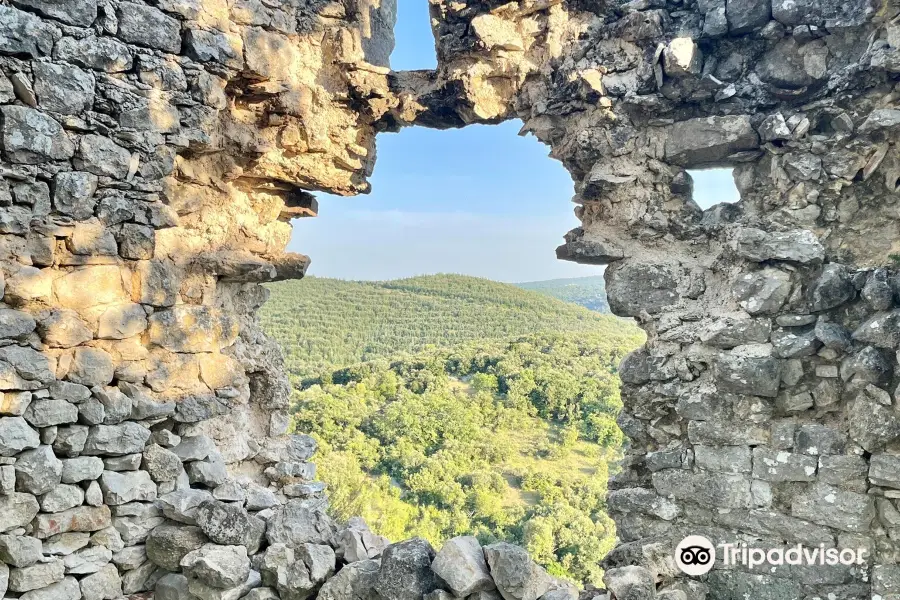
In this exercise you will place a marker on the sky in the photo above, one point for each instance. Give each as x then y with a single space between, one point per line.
478 201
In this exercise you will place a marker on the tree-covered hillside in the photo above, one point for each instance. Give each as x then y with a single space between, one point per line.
589 292
448 405
323 323
502 440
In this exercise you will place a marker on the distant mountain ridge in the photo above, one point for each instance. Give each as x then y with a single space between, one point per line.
589 292
324 323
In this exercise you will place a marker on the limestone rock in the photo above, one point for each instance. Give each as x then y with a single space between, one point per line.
105 584
872 423
31 137
406 571
15 323
36 576
210 472
49 412
62 497
73 193
63 88
631 583
37 471
62 328
881 330
17 510
294 524
101 156
217 566
116 440
100 53
356 580
192 329
167 545
832 288
91 366
460 563
86 561
20 550
16 436
67 589
748 374
833 507
82 518
230 524
516 576
162 464
182 505
710 140
799 246
124 487
24 33
173 586
148 26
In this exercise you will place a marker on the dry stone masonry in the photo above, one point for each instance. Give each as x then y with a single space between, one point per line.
153 152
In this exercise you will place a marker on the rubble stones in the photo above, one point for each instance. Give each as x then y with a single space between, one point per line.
105 584
73 193
750 395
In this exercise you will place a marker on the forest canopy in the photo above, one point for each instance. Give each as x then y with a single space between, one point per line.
461 423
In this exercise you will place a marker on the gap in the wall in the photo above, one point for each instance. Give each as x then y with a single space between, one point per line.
414 41
714 186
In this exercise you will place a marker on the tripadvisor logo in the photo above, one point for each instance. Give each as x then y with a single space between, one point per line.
696 555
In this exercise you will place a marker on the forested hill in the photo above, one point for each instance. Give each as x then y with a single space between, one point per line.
324 323
589 292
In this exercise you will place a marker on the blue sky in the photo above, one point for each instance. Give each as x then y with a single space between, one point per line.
479 201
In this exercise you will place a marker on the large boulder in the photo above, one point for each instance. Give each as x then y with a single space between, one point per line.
355 581
709 140
230 524
460 563
217 566
29 136
38 471
167 545
516 576
405 572
294 524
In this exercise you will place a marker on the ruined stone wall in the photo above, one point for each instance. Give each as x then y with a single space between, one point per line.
153 152
763 407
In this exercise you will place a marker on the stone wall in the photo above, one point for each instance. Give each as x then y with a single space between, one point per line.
152 154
